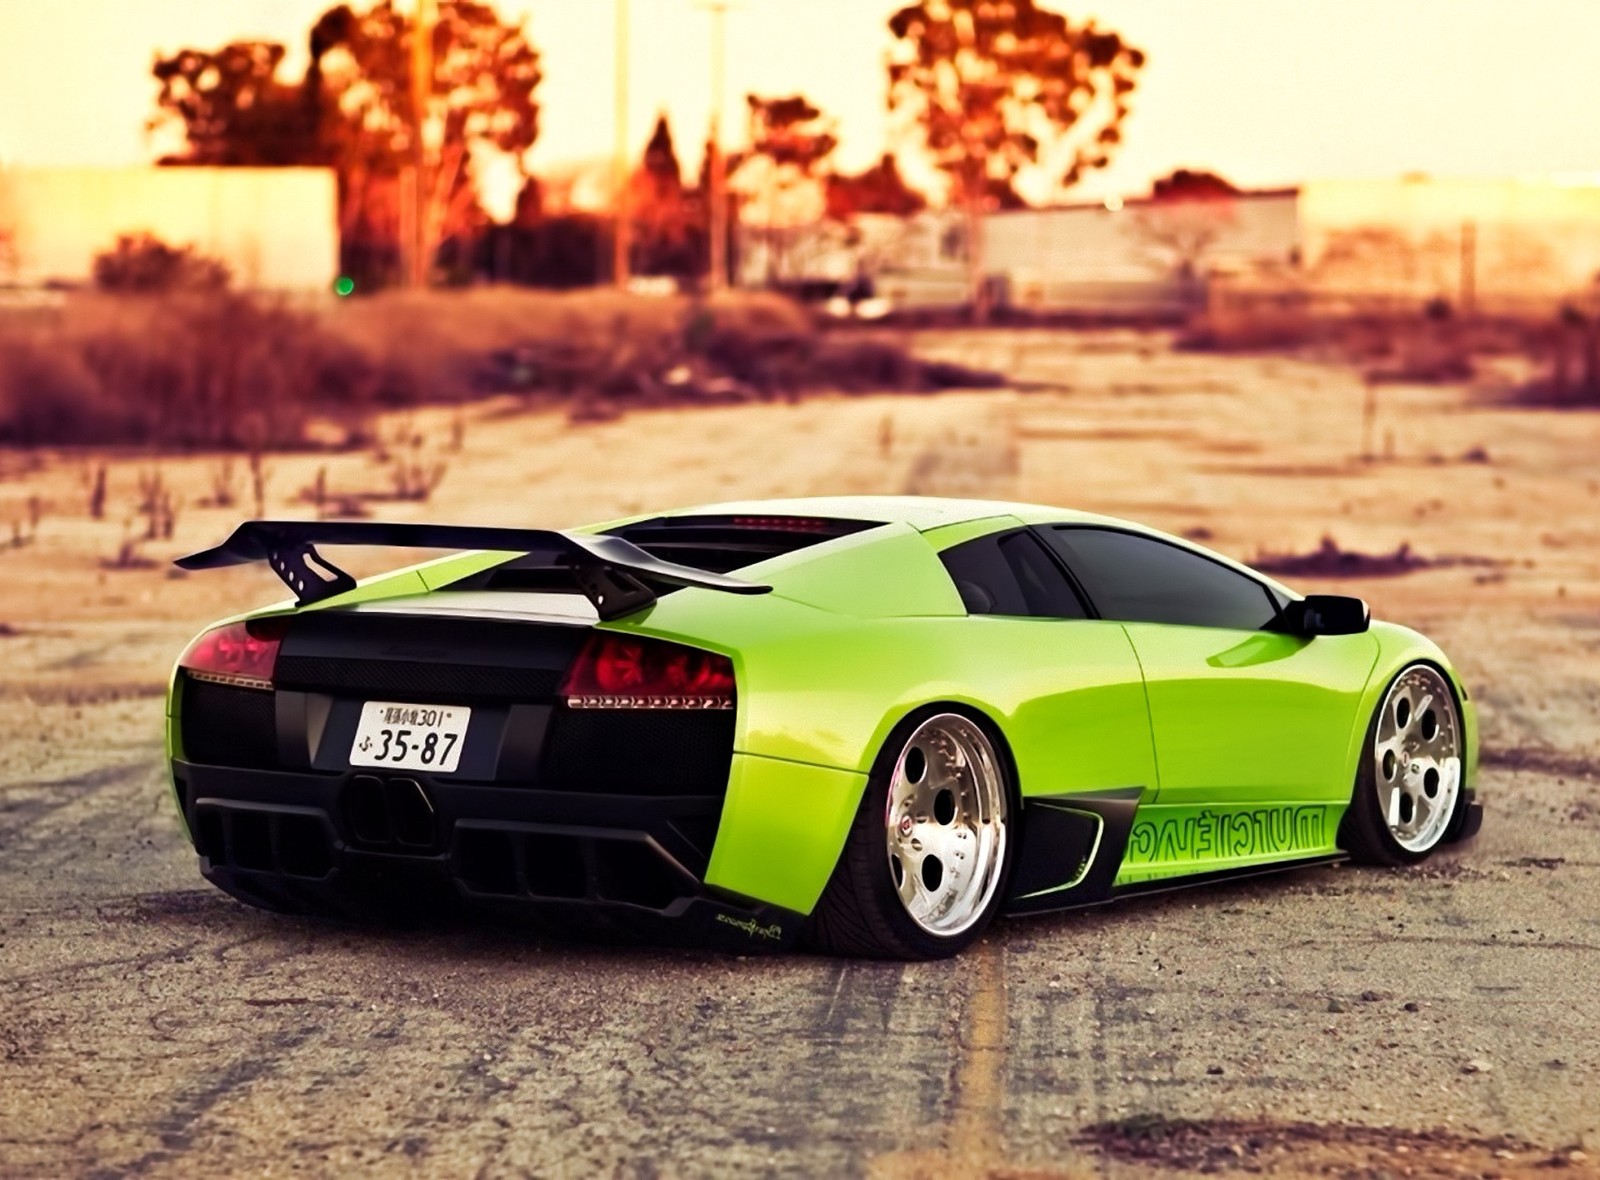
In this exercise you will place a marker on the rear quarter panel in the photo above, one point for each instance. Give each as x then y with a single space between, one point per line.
821 690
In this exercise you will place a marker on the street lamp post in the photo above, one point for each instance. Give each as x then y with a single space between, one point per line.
717 280
415 186
622 237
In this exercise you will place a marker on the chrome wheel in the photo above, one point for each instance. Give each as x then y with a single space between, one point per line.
945 824
1417 758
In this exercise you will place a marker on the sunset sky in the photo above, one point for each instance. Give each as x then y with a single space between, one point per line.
1264 91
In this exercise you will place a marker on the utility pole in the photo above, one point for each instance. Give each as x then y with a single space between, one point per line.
622 235
415 186
718 278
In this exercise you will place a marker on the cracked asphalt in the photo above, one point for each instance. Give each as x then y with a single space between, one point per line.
151 1026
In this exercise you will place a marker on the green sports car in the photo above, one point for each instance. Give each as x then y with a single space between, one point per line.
868 723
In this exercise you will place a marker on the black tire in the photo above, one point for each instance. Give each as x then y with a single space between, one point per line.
860 914
1365 833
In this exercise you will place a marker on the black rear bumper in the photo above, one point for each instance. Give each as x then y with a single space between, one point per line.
362 845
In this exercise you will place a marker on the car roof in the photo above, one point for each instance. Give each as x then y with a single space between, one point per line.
926 513
919 512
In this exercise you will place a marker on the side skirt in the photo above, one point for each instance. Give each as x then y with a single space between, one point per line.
1170 884
1075 847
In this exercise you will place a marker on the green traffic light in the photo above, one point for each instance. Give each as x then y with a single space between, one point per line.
344 285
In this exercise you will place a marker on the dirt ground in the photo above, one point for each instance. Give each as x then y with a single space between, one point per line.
1338 1022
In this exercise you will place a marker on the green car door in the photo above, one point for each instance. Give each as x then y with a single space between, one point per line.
1241 714
1076 716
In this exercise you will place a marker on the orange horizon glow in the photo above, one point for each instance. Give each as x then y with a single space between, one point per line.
1264 92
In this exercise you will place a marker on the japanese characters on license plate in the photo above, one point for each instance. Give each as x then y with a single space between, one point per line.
410 737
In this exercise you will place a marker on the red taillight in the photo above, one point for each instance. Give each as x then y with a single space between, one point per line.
240 654
624 672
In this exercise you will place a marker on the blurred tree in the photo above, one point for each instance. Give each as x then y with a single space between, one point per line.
1191 184
996 87
879 189
790 139
1187 212
530 202
668 219
233 108
354 112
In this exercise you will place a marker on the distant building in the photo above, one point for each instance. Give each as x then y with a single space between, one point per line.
1140 257
1489 245
275 228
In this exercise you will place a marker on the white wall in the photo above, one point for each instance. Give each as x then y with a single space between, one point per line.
1093 258
276 228
1522 242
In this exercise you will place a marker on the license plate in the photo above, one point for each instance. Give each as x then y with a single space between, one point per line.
410 737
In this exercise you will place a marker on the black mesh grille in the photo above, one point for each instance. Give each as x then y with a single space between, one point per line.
411 681
727 543
720 544
639 751
226 726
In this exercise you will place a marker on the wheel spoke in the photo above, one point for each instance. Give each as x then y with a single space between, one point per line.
908 886
1422 809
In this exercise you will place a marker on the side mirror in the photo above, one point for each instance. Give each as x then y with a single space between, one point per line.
1327 614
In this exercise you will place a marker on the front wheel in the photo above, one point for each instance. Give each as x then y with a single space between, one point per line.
924 866
1409 784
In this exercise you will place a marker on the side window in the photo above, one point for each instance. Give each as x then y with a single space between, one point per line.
1010 574
1139 580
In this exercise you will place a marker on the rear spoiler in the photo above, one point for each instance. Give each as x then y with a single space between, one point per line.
614 574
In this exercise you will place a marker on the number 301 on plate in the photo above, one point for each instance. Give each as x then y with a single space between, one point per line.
410 737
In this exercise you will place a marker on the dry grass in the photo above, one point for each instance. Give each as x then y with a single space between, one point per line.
218 370
1536 359
427 326
187 370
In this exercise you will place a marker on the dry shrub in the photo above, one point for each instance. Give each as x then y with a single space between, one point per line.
143 264
217 369
414 466
186 370
854 363
1257 328
222 493
602 351
25 528
50 395
451 345
95 479
1330 560
1569 352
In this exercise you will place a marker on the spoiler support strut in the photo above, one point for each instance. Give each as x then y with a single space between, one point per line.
612 573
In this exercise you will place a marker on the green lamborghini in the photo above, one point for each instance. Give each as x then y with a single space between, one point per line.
870 724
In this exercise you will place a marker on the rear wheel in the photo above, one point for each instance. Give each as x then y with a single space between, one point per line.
1408 786
924 868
